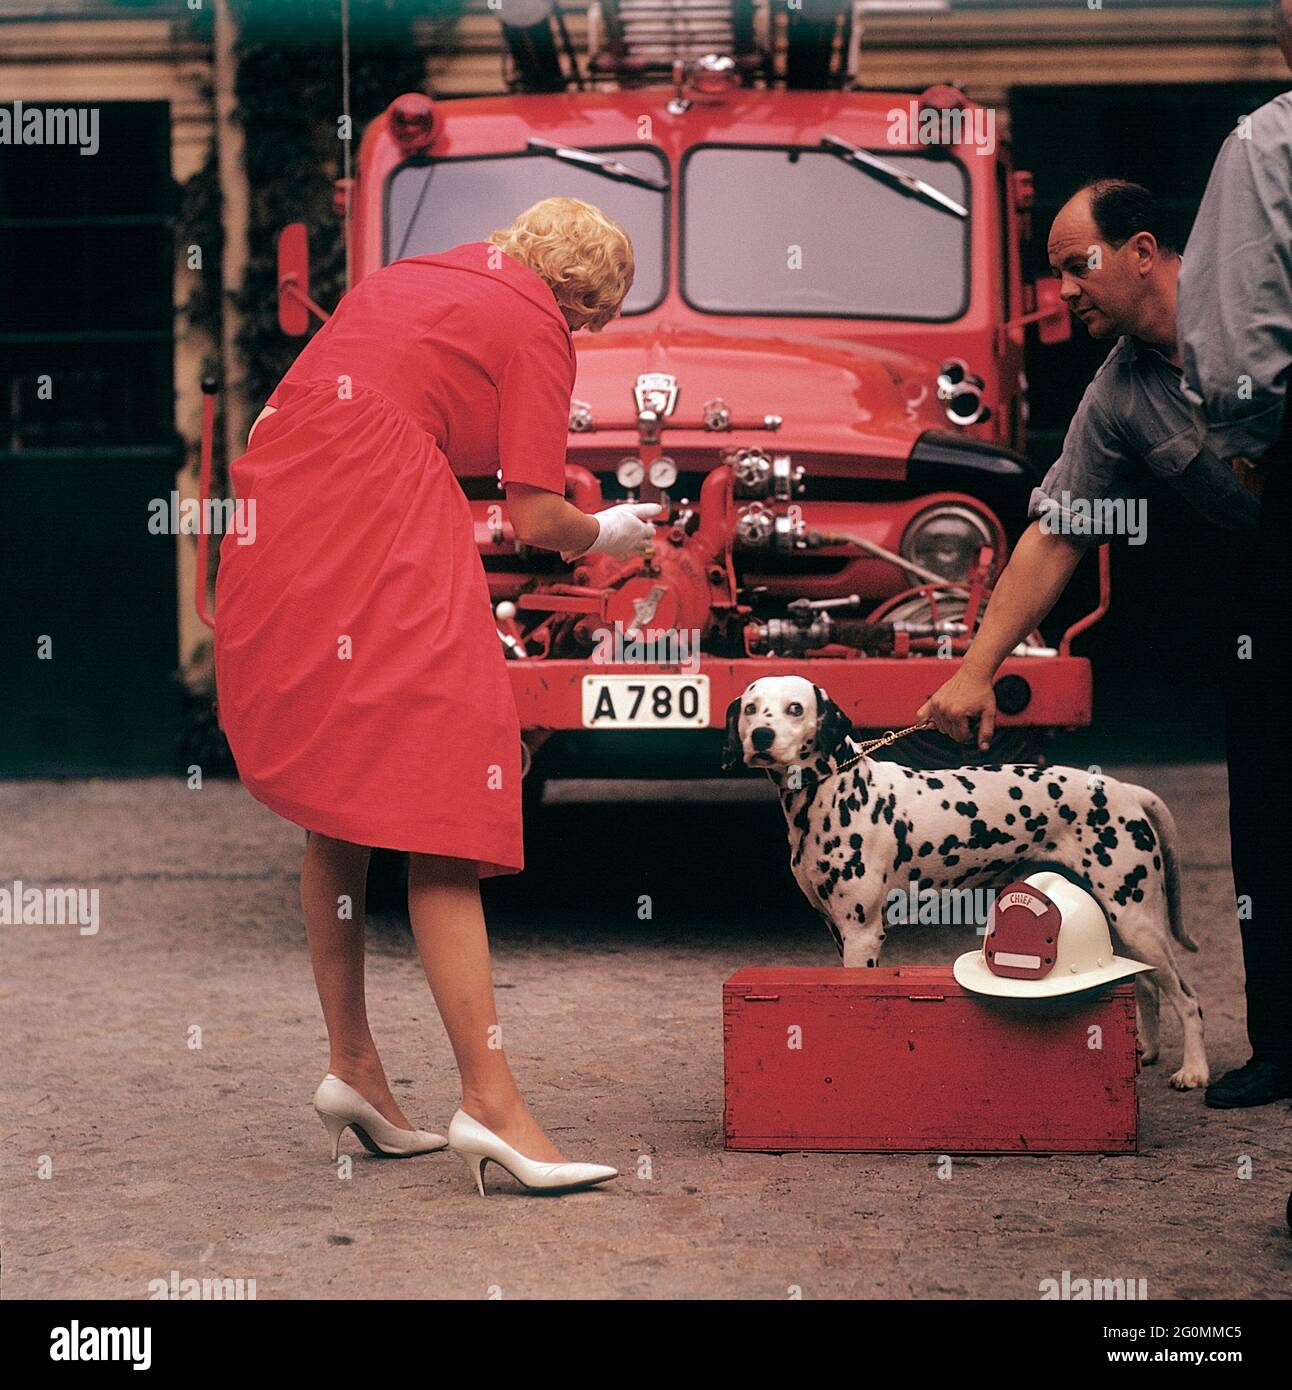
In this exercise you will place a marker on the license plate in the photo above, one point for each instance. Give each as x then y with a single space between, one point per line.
645 702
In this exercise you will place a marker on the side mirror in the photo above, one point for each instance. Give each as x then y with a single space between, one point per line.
1055 325
294 280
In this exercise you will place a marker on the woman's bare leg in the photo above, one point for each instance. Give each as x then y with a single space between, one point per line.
449 926
334 870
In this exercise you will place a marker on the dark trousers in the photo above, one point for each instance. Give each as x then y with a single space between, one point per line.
1260 763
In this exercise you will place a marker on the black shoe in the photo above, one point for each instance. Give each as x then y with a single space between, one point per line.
1256 1083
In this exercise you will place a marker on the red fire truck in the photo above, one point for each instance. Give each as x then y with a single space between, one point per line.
818 373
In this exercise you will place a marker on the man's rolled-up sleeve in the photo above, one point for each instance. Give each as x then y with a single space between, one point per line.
1234 312
1094 463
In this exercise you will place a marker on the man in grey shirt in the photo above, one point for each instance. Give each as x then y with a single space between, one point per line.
1236 346
1118 266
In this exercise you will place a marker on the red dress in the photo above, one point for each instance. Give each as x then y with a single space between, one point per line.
361 681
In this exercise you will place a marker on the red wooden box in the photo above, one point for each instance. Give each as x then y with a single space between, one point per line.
906 1060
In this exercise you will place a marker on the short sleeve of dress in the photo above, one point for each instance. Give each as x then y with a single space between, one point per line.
534 409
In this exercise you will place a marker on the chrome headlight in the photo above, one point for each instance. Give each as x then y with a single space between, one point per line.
947 540
961 393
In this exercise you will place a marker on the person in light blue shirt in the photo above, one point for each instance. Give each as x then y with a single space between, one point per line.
1235 337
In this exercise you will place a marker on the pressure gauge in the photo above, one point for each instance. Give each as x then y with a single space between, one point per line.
663 472
630 473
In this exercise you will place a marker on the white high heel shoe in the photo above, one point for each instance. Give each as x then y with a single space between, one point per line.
341 1107
477 1146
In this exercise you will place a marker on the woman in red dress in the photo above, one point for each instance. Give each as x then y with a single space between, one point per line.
361 680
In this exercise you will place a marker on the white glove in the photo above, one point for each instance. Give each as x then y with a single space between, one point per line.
623 533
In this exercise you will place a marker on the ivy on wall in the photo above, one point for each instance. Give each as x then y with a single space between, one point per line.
290 104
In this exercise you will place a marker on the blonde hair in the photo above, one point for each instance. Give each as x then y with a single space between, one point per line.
586 259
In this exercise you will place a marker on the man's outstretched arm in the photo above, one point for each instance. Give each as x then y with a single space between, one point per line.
1028 588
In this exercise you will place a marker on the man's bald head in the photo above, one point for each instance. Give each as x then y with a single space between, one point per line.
1112 248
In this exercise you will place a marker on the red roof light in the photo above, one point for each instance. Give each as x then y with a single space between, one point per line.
413 122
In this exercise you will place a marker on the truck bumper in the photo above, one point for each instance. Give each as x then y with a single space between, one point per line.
877 692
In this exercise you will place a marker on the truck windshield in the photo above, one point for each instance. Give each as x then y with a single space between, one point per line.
443 203
867 249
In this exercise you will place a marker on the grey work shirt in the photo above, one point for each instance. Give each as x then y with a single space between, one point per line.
1235 295
1134 417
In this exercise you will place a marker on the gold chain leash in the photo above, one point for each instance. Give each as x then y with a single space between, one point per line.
883 741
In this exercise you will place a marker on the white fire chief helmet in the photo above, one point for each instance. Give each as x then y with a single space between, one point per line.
1045 937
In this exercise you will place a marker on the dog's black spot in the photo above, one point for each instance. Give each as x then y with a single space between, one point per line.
1067 813
967 808
1016 793
934 783
825 824
1130 891
926 848
1009 818
951 842
1055 790
870 962
1157 862
981 836
904 851
855 841
966 783
1026 810
1141 833
946 805
845 816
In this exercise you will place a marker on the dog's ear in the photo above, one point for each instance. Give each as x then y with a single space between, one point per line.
733 755
832 725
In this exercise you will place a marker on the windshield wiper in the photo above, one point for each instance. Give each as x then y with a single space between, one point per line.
872 164
597 164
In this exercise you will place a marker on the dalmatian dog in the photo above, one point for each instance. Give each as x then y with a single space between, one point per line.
859 833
